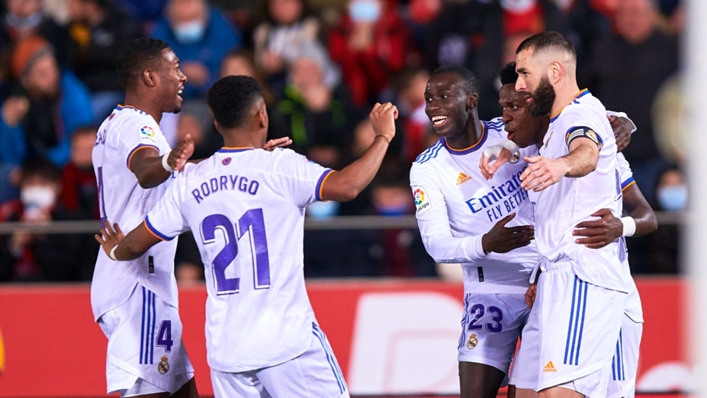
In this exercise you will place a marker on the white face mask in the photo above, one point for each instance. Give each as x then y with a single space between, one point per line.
37 197
190 32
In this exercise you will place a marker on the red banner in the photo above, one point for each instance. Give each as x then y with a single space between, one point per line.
390 336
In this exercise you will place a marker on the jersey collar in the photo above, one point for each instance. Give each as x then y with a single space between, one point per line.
472 148
232 149
576 97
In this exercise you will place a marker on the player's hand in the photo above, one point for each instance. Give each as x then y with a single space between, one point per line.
502 240
281 142
109 237
622 131
542 172
383 119
496 154
179 156
599 233
530 295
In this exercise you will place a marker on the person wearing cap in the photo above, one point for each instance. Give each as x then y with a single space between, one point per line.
54 104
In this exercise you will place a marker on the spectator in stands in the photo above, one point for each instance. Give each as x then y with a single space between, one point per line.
99 29
404 253
410 90
241 62
58 104
288 28
25 18
146 11
628 67
79 193
13 148
370 43
200 36
50 257
316 110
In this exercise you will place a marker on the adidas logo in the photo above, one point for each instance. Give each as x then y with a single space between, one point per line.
549 368
462 179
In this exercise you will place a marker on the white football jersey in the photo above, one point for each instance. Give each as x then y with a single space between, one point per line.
560 207
634 309
123 201
456 206
246 210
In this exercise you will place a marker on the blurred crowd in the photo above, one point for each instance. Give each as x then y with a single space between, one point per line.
322 65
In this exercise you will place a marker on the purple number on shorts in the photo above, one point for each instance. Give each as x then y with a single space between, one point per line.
226 256
164 336
496 318
479 310
252 221
101 201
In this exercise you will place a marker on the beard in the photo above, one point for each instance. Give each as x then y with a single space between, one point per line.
542 99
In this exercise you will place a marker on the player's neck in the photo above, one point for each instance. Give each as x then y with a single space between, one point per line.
241 139
469 136
144 104
565 93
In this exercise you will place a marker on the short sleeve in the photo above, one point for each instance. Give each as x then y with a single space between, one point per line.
138 135
625 172
303 179
577 122
166 219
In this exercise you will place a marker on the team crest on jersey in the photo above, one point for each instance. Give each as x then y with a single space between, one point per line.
473 341
462 178
515 158
147 134
163 366
422 201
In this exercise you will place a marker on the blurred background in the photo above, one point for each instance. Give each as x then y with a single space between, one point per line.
322 65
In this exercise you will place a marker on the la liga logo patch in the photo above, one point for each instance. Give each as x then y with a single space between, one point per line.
422 201
147 133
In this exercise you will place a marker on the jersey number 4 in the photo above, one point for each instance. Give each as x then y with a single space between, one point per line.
252 224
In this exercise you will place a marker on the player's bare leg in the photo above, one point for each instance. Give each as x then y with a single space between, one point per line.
559 392
479 381
522 393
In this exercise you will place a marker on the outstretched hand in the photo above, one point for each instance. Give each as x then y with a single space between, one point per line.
496 154
383 120
179 156
502 240
109 237
275 143
542 172
599 233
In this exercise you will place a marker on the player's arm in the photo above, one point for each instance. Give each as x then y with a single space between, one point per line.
584 145
124 248
151 169
640 221
433 223
347 183
623 127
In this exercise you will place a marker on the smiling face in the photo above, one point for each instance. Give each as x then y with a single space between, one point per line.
171 82
521 126
448 104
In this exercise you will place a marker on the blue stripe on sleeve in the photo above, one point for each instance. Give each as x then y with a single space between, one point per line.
142 328
140 146
318 188
153 230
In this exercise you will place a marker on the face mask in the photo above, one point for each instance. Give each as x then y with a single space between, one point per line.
189 32
35 199
673 198
29 22
392 211
323 210
364 11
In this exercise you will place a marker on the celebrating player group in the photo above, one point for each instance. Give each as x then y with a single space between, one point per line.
529 204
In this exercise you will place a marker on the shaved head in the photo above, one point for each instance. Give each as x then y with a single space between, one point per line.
549 47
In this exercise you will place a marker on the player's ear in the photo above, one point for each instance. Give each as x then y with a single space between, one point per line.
555 71
262 118
149 77
472 101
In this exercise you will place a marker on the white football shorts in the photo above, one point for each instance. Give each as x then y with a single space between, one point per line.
571 335
145 350
491 326
315 373
624 365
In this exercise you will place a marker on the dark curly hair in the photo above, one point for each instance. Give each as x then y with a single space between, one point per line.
467 77
138 55
231 97
509 74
